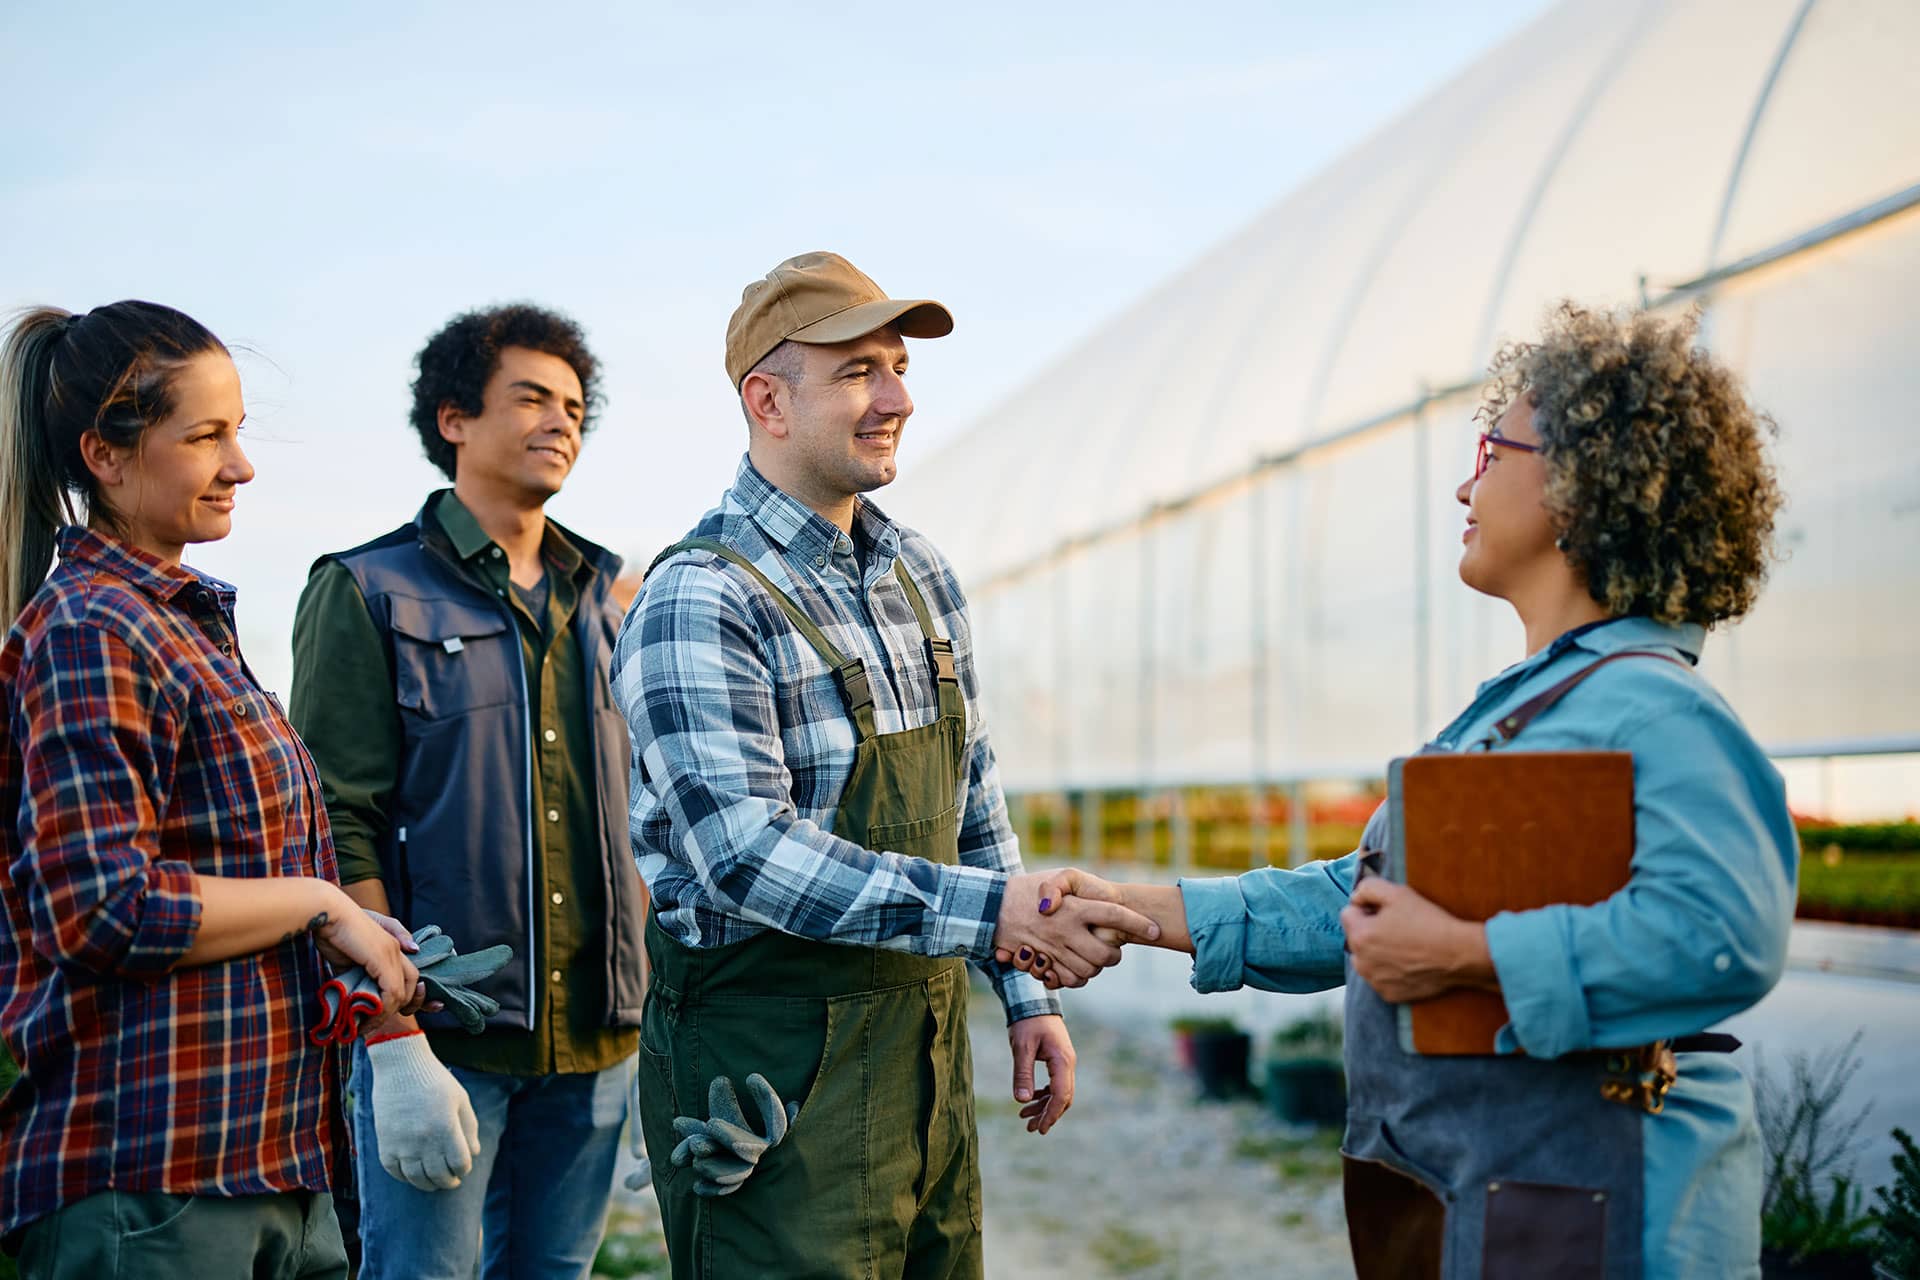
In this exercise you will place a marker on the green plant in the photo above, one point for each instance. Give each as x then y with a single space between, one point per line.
1318 1035
1865 837
1191 1025
1808 1137
1898 1213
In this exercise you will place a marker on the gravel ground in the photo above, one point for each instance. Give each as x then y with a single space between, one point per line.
1138 1181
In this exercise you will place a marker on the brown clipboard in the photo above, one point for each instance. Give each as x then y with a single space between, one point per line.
1487 832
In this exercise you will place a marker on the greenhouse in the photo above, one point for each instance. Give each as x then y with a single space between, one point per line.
1221 542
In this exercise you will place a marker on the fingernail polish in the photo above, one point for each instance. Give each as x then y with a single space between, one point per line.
1045 903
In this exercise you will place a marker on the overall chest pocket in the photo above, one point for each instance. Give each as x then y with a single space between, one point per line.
451 657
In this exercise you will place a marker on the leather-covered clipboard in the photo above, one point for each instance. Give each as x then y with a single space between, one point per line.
1487 832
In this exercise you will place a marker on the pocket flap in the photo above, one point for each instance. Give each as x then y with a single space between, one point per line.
437 621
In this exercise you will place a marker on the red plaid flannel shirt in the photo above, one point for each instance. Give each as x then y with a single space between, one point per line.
137 752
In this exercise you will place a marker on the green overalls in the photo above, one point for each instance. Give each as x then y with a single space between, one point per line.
879 1174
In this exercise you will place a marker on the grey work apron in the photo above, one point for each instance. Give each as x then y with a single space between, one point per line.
1460 1168
878 1175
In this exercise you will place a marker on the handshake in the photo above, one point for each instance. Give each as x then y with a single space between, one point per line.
1064 927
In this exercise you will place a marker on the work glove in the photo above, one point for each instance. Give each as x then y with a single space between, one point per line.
351 997
637 1140
722 1149
423 1122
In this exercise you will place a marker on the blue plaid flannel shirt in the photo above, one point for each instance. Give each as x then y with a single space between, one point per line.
742 745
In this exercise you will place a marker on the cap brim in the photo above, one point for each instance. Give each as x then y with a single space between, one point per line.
913 317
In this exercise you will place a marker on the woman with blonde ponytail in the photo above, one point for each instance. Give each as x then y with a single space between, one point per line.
170 894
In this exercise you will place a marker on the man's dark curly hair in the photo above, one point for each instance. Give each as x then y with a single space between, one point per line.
1658 478
457 361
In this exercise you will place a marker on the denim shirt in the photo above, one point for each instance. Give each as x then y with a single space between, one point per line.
1698 934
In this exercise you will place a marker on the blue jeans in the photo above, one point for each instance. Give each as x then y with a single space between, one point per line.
539 1187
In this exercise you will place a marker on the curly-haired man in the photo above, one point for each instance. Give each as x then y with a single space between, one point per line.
450 679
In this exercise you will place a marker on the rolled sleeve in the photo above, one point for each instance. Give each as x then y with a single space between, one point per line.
1699 932
1274 929
98 746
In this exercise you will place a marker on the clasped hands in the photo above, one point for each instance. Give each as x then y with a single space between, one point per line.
1063 929
1403 945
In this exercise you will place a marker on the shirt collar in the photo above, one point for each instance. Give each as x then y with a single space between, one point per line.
1617 635
798 529
149 573
470 540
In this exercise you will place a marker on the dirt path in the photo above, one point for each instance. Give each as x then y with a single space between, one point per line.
1139 1182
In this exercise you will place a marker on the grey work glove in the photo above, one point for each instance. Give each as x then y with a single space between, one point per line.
723 1149
423 1121
448 975
352 996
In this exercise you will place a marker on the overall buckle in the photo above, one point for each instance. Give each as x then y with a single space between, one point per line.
1641 1077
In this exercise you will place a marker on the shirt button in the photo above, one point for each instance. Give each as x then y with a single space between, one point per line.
227 649
558 898
499 591
555 975
1722 962
240 709
553 815
550 735
496 553
960 951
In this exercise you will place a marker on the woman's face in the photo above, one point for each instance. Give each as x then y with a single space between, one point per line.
1509 538
177 485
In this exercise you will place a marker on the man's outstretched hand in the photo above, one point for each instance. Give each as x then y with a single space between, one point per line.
1065 939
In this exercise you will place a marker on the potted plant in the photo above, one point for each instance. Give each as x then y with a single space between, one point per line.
1306 1080
1898 1215
1811 1225
1217 1050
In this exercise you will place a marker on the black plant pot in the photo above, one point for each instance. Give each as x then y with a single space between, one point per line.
1775 1265
1307 1090
1220 1062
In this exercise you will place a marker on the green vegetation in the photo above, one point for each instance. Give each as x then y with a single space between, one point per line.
624 1254
1898 1212
1808 1210
1874 837
1311 1161
1873 888
1127 1252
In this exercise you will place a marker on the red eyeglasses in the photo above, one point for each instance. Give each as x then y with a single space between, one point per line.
1485 451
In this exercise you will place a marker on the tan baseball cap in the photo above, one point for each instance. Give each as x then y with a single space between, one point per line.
821 298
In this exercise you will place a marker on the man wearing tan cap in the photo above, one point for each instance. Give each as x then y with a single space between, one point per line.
818 816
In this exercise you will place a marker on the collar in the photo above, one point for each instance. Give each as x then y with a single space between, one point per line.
1617 635
565 548
149 573
800 531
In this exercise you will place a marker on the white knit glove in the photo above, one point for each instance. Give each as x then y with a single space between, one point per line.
422 1119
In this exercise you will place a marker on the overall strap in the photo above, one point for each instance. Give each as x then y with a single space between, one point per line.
939 651
1509 726
855 691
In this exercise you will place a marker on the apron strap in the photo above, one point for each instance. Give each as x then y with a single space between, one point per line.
939 651
855 690
1509 726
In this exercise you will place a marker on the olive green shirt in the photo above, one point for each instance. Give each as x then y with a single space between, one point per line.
343 706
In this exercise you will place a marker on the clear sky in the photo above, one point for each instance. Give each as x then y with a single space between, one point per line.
326 185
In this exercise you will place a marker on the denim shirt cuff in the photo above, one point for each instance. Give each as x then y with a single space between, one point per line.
1217 922
1540 981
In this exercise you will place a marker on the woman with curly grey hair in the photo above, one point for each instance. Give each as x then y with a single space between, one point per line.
1621 501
